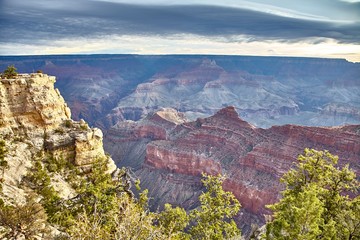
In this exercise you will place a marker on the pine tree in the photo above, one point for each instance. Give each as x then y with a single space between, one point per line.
173 221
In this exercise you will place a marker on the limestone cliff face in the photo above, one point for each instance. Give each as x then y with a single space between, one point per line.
34 119
31 106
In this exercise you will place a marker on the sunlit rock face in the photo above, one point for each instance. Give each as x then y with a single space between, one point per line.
35 120
170 156
30 104
266 91
32 108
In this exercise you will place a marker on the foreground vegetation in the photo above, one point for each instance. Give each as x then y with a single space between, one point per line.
315 205
316 202
9 72
105 208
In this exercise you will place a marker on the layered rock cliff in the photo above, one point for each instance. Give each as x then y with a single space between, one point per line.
170 160
35 121
206 87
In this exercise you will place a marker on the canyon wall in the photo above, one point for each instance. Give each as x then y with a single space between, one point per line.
253 159
266 91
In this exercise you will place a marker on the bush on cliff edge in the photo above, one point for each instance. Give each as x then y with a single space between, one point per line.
9 72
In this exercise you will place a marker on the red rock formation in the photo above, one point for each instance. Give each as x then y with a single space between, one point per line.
251 198
253 159
183 162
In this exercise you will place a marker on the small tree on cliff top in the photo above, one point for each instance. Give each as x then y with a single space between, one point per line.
10 72
314 203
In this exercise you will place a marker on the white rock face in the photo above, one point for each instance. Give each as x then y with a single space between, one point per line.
88 146
172 115
35 119
19 160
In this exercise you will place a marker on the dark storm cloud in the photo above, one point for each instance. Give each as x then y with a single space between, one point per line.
34 23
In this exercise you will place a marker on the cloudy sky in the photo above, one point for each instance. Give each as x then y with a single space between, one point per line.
311 28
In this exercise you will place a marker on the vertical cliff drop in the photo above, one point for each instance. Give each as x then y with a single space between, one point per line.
36 123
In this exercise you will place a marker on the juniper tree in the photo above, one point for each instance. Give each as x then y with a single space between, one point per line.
316 202
214 218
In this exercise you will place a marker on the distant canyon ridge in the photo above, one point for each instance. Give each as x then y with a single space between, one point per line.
265 91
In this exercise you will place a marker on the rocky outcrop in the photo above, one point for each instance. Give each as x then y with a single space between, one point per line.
339 110
31 106
253 159
127 140
35 119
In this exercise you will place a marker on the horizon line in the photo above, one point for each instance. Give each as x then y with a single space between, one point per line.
170 54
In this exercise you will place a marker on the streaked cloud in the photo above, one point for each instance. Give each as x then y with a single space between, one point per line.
43 22
188 44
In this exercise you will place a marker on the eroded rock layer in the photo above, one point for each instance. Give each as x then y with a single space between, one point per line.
266 91
36 120
170 156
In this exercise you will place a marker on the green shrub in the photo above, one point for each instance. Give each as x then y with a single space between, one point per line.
214 218
84 127
68 123
10 72
27 220
3 150
59 130
40 181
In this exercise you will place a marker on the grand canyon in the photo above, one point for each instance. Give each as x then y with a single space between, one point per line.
171 118
266 91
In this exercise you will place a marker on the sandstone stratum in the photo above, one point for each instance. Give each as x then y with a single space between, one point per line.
169 155
35 124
